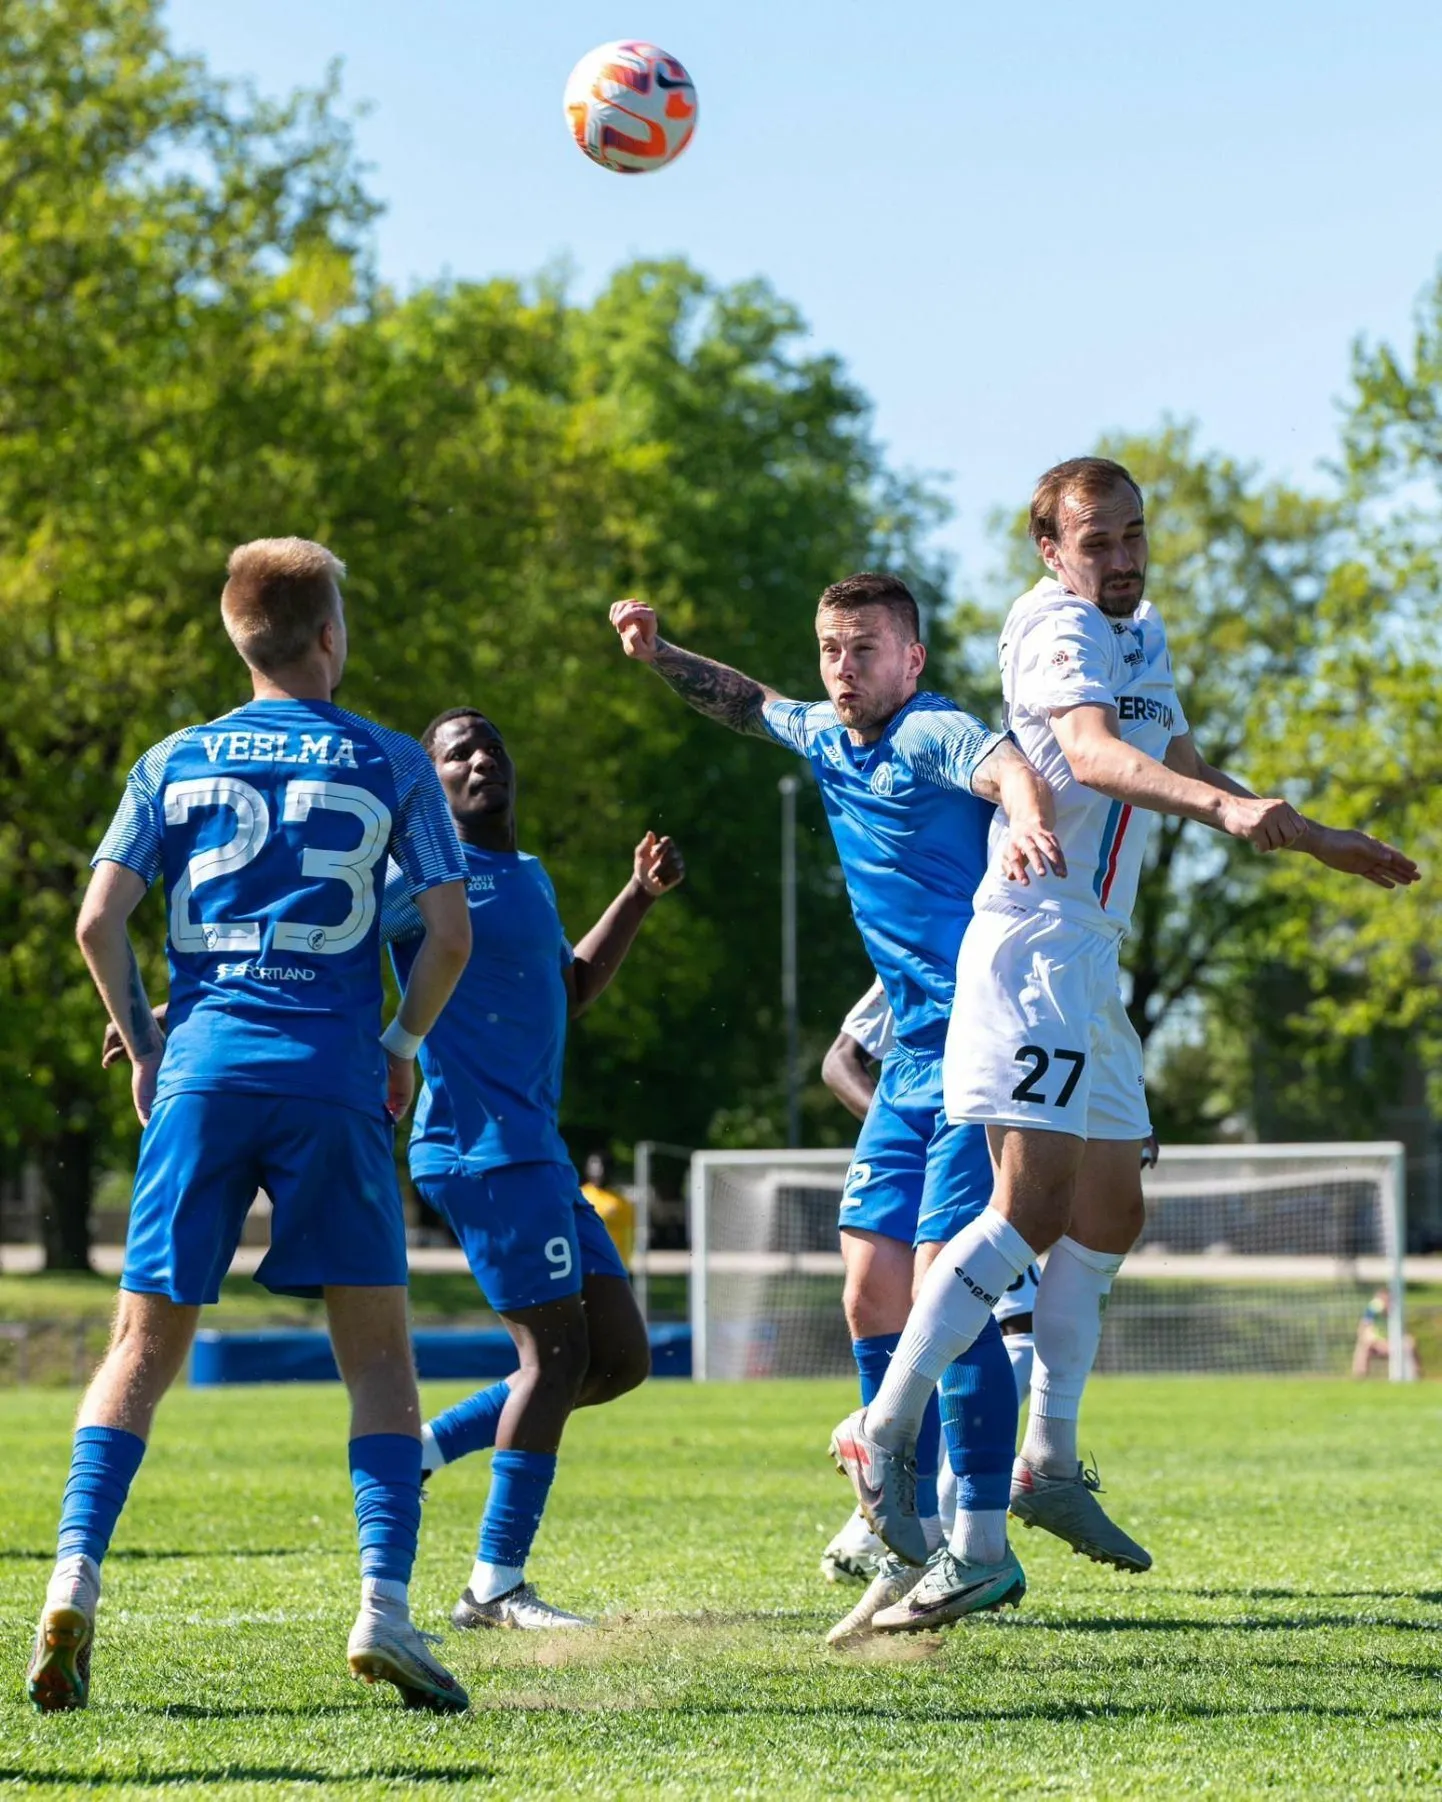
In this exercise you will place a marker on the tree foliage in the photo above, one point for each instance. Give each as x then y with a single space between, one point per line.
193 352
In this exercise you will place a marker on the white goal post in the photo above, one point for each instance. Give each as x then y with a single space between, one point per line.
1254 1258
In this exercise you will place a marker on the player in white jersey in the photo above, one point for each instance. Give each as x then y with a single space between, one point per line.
867 1034
1040 1048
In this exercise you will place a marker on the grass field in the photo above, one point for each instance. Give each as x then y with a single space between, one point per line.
1287 1641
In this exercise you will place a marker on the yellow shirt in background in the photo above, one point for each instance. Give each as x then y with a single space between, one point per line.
618 1217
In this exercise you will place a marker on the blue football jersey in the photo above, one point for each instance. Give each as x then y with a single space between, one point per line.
911 837
271 827
492 1062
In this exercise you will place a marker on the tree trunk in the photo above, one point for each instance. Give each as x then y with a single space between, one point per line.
67 1169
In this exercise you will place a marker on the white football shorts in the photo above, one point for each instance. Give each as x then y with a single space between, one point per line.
1038 1034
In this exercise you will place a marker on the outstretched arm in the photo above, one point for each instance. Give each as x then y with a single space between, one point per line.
1024 796
715 689
1354 853
658 868
1100 757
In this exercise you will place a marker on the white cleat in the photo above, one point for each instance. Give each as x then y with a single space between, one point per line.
388 1648
893 1582
519 1607
58 1678
854 1555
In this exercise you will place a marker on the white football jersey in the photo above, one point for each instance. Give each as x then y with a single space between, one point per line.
871 1022
1058 651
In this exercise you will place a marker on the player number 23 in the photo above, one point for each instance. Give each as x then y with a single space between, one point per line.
354 867
1040 1060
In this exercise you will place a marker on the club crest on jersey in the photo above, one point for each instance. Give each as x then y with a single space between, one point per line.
883 779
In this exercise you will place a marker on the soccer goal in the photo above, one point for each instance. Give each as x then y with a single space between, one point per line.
1255 1259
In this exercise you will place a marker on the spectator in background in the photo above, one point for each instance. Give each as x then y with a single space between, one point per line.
1373 1339
618 1214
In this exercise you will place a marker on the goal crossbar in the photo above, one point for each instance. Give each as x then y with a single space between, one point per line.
1345 1168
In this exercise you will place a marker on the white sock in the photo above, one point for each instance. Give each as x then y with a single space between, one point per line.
431 1455
946 1495
934 1532
1070 1304
491 1580
953 1305
980 1537
1020 1348
74 1581
384 1595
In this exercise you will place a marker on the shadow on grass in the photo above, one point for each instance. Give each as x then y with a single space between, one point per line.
139 1554
1247 1623
1245 1594
251 1773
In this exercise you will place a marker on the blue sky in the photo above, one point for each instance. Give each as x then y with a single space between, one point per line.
1019 226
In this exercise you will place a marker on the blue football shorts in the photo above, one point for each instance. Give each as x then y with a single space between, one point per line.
329 1170
913 1176
528 1233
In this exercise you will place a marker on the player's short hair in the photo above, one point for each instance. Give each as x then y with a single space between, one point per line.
279 592
1089 476
872 588
428 737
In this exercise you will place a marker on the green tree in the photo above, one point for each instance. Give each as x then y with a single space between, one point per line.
155 230
192 353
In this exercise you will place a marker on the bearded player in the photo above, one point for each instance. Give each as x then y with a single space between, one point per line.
908 781
1040 1050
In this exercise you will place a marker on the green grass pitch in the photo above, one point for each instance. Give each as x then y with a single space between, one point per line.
1287 1641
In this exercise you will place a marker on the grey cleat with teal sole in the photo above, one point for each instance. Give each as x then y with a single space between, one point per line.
949 1590
1068 1507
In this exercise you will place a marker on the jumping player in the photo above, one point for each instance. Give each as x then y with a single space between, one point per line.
907 779
486 1152
866 1037
270 827
1040 1049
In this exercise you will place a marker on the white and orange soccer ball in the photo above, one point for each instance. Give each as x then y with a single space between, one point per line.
630 107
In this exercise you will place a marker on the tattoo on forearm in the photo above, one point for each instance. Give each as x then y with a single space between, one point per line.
716 690
147 1035
986 784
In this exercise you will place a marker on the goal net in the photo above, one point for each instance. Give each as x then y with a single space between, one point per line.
1254 1259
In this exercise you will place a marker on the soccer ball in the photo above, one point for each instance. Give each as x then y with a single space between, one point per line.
630 107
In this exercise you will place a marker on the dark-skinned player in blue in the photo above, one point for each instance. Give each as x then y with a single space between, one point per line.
487 1154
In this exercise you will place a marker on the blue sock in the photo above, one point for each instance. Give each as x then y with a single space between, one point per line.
928 1457
872 1357
520 1483
979 1414
471 1425
103 1463
385 1472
